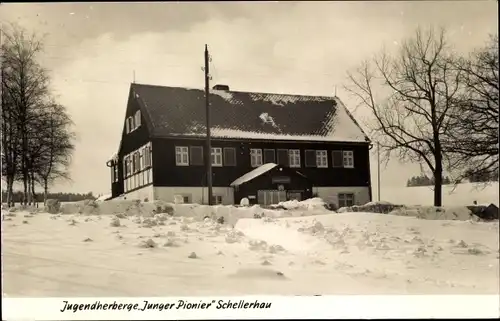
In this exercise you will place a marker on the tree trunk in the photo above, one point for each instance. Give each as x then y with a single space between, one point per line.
10 191
45 191
438 176
33 195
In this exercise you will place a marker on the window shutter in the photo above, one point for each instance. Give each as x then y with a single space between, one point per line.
337 158
196 155
283 157
269 156
229 156
310 158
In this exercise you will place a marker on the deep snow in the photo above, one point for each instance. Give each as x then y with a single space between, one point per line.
351 253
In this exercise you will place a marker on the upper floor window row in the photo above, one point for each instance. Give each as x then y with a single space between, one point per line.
137 160
133 122
292 158
193 155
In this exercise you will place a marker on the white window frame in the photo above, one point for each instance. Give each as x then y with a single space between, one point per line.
127 126
217 199
348 158
128 166
294 158
182 152
216 156
322 159
148 155
344 197
256 157
131 125
137 162
141 158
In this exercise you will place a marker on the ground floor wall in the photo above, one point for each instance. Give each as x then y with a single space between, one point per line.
142 194
331 194
197 195
226 195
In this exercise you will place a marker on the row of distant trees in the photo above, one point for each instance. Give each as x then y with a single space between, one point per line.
433 106
424 180
37 136
18 196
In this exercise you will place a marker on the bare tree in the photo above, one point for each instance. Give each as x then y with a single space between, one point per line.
421 83
25 84
473 140
57 140
10 140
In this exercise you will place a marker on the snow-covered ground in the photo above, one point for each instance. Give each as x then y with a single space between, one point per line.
351 253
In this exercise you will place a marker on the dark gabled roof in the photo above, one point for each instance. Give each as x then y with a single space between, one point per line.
176 111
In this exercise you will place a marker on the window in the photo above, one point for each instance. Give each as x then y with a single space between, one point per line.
269 156
348 158
133 164
294 155
321 158
283 157
124 167
229 156
127 126
115 169
128 165
310 158
216 199
148 155
141 158
186 199
137 162
256 157
130 121
216 156
337 158
196 157
113 174
346 199
181 156
137 118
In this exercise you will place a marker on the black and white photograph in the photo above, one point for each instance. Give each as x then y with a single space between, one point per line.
197 149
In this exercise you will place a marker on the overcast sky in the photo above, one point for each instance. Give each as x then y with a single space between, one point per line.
93 50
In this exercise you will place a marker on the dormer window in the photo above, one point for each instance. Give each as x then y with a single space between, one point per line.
137 119
133 122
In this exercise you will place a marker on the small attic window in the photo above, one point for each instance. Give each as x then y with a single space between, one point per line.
137 118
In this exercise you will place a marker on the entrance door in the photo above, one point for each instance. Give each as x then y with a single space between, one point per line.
269 197
295 196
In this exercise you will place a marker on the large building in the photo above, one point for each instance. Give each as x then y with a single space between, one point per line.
265 147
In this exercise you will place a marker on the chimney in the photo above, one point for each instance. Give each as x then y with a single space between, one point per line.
221 87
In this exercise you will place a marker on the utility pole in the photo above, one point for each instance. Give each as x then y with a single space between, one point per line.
208 152
133 76
378 170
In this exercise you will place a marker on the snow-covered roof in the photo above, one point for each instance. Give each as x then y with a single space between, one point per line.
253 174
177 111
